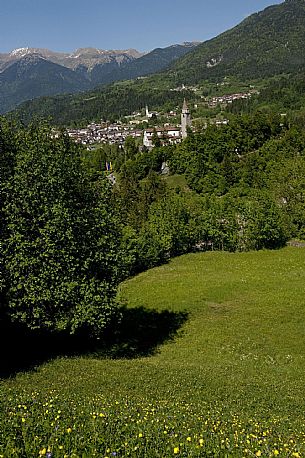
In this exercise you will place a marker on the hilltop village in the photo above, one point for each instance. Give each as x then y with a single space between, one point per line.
139 127
116 133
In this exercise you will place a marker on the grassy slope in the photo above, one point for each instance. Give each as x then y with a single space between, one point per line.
240 351
245 334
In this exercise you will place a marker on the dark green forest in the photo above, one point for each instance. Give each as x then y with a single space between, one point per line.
107 103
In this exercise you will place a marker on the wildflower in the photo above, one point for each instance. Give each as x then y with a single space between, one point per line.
276 452
176 450
189 439
201 441
42 452
69 430
258 453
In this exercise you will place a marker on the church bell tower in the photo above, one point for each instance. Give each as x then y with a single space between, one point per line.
185 119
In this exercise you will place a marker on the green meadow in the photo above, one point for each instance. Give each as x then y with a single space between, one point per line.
208 361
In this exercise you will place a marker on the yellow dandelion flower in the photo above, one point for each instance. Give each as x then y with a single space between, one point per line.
42 452
201 442
23 420
258 453
140 435
276 452
176 450
189 439
69 430
296 455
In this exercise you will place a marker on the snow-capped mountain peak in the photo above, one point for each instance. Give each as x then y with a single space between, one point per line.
20 52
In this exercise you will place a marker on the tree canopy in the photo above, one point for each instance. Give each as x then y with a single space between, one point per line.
60 236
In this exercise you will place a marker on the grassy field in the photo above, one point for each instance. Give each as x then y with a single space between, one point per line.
209 361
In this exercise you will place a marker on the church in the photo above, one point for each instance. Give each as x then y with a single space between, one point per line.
169 134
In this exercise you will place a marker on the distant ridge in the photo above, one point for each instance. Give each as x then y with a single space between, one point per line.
33 76
23 77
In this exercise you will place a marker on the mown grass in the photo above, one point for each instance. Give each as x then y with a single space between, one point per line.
222 373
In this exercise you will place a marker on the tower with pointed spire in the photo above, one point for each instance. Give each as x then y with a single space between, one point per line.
185 119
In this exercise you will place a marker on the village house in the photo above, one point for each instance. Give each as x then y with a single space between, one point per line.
168 134
103 133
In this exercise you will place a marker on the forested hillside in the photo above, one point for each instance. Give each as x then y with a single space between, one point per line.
111 102
265 44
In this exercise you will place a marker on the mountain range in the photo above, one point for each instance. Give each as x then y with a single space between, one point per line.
87 57
266 44
28 73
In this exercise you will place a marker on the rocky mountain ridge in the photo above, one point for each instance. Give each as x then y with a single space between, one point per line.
27 73
81 56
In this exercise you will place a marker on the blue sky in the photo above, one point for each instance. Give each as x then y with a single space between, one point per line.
65 25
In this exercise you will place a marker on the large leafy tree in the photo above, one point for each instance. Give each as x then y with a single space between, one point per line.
7 159
62 245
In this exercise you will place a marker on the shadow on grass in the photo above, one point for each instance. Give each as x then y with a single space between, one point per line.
139 332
